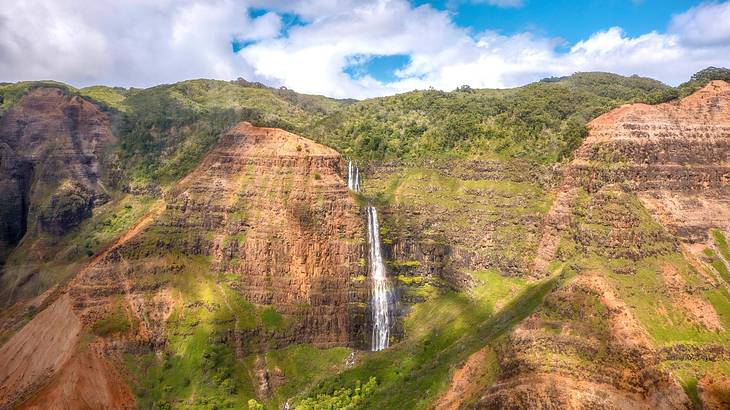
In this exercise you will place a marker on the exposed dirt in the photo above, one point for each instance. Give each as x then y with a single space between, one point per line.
465 381
86 382
38 351
699 310
675 156
284 194
598 356
714 390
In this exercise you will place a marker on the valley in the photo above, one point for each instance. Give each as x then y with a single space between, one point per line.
211 244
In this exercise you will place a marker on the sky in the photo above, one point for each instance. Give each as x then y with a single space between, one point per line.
358 48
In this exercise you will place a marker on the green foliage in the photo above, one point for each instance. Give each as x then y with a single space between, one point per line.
340 399
595 215
115 322
10 93
721 243
165 130
254 405
441 333
544 121
198 368
28 274
701 78
271 318
108 97
690 371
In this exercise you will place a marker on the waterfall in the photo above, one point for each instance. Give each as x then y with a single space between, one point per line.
349 174
353 176
381 293
356 183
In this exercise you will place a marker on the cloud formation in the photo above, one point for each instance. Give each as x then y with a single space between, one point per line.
141 43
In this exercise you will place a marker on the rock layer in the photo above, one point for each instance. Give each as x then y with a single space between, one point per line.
50 154
675 156
266 211
672 160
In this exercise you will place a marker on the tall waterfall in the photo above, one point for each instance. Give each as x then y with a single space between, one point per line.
353 177
381 293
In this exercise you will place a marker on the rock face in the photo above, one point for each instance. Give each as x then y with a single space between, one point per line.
278 216
674 156
596 356
649 181
266 216
50 149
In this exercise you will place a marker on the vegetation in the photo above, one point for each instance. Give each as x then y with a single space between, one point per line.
442 332
10 93
164 131
543 121
344 398
28 273
701 78
116 322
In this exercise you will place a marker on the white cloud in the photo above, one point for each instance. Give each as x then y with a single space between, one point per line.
502 3
704 25
141 43
129 42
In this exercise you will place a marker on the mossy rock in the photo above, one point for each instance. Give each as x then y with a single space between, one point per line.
66 208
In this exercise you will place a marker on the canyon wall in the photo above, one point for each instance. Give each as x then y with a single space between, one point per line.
51 145
637 205
265 223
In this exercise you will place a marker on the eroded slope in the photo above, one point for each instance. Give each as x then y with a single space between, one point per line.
255 249
639 224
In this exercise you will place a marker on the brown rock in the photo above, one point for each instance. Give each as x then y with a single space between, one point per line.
50 150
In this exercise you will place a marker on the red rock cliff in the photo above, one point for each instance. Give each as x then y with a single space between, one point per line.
266 212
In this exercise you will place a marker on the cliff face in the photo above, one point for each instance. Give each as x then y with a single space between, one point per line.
263 237
675 156
50 150
270 209
638 213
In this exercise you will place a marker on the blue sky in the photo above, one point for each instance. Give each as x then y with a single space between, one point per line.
358 48
566 20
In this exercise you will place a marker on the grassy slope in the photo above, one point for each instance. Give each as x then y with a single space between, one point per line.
41 261
442 333
641 284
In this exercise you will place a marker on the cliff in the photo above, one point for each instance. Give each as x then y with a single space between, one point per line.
257 248
51 145
638 217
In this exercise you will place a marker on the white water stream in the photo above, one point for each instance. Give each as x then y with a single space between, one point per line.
381 298
353 177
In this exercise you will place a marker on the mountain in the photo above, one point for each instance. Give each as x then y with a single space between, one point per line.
195 245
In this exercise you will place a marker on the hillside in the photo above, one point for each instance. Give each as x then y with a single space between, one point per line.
195 245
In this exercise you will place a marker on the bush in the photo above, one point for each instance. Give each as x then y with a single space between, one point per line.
344 398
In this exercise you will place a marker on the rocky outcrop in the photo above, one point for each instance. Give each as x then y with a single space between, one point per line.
50 163
266 215
583 349
674 156
648 181
269 209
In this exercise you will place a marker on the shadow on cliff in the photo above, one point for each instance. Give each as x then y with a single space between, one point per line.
416 366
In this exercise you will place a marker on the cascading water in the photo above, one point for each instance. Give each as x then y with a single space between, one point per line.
353 177
381 293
